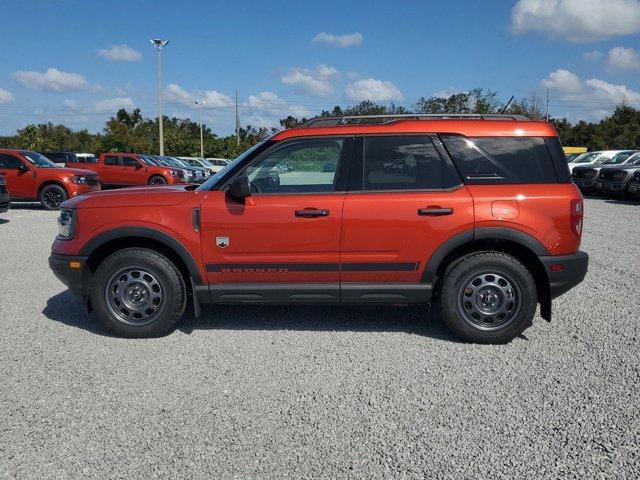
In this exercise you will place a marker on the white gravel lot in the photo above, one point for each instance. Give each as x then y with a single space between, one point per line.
317 392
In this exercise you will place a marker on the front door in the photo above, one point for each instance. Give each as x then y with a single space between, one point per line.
282 242
131 171
20 183
397 212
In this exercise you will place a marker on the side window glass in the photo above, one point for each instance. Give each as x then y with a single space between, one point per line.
111 160
401 163
307 166
129 162
9 161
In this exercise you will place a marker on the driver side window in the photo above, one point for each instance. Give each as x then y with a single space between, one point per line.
305 166
9 162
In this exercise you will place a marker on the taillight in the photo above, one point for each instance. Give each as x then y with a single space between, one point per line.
577 215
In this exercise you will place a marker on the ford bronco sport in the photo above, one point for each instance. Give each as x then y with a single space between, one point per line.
31 176
473 215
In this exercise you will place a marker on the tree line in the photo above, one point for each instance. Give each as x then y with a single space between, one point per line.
129 131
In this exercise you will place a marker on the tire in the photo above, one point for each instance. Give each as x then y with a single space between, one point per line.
487 297
138 293
51 196
157 180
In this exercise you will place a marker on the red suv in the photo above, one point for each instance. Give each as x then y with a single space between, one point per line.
33 177
475 216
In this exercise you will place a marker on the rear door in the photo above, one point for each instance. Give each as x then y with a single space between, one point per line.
404 200
282 242
110 171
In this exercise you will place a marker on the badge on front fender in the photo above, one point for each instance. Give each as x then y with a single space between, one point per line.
222 242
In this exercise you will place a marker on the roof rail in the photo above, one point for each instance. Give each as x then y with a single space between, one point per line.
333 121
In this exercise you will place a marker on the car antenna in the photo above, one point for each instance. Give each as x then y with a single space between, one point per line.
504 109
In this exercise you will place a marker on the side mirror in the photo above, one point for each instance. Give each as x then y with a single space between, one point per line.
22 168
138 166
240 188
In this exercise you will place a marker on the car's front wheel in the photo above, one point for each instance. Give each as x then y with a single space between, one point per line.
157 180
488 297
51 196
138 293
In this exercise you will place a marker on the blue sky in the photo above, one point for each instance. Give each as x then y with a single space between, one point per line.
76 62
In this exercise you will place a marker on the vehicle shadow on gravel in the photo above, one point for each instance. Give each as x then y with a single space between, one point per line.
412 319
26 206
3 221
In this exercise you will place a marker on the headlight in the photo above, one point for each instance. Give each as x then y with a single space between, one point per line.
79 179
174 173
66 224
619 175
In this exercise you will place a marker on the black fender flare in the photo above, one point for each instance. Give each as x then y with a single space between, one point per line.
144 232
488 233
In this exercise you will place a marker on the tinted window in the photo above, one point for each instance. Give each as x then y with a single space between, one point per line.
401 163
298 167
111 160
9 161
129 162
501 159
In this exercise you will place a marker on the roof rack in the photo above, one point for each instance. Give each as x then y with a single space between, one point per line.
333 121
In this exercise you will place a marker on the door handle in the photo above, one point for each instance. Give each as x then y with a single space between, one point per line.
434 211
312 212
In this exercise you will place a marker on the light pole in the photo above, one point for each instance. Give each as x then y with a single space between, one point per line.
201 104
159 45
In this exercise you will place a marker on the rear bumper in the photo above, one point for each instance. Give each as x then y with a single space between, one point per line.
5 202
60 265
565 271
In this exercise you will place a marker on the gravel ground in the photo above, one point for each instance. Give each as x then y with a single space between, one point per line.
307 392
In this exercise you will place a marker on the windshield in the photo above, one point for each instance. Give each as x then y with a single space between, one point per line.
586 157
204 162
180 162
148 160
634 159
216 177
39 160
620 158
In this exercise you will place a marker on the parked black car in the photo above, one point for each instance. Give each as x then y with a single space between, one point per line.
614 179
5 200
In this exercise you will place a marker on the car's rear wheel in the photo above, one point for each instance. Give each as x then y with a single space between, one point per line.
157 180
138 293
51 196
488 297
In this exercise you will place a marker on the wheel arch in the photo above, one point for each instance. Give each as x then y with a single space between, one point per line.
103 245
48 182
520 245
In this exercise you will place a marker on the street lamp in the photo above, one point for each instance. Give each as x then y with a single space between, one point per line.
159 45
202 103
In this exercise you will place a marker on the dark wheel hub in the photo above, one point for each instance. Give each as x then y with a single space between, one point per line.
52 198
134 295
489 300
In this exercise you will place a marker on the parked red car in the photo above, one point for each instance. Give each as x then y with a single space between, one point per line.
33 177
127 169
476 217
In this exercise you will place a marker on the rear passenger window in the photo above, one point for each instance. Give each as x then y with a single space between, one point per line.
401 163
111 160
501 159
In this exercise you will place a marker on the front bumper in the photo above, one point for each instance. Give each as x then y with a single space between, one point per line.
78 189
5 202
611 187
586 184
565 271
72 277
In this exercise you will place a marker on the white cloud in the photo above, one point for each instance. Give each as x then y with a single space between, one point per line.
563 81
53 80
577 20
315 82
343 41
110 105
593 98
448 92
374 90
592 56
212 98
621 58
5 96
269 104
120 53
